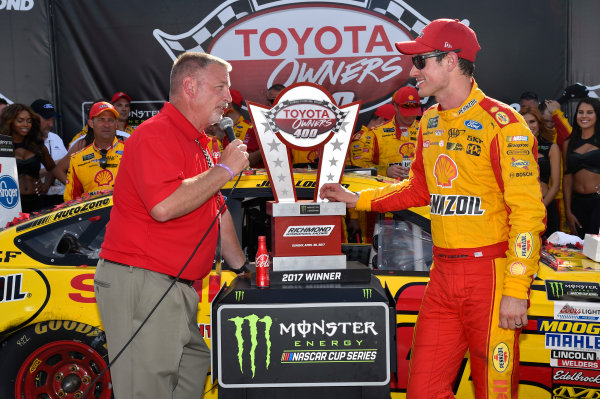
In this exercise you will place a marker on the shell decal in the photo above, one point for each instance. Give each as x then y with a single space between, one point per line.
104 177
445 171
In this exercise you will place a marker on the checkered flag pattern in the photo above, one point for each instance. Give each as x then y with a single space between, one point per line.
399 11
201 36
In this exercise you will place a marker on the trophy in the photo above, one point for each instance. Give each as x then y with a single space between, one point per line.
305 235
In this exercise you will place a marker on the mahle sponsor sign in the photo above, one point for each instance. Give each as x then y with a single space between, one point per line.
303 345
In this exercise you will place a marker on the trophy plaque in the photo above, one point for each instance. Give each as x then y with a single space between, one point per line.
305 235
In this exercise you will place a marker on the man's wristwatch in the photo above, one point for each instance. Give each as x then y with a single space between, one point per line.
244 268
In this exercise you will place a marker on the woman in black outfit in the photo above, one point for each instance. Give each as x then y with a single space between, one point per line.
581 153
549 163
21 123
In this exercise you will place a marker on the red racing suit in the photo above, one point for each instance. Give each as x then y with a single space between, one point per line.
476 166
384 145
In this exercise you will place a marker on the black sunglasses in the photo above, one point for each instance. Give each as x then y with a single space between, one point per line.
103 160
419 60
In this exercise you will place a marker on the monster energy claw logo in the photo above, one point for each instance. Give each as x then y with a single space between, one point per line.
557 288
239 296
367 293
253 324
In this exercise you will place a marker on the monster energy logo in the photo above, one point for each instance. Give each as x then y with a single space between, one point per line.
239 296
367 293
557 288
253 324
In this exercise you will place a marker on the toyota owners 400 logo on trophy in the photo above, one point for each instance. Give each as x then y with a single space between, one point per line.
305 234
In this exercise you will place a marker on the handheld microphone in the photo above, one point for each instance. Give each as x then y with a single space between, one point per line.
226 125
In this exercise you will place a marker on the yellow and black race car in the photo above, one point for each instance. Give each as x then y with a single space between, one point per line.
51 339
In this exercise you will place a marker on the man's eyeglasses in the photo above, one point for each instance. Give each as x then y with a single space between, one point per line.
103 161
419 60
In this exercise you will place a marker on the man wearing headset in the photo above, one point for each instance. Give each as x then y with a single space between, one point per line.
166 200
487 216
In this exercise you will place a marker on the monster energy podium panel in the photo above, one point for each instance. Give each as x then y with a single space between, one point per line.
303 341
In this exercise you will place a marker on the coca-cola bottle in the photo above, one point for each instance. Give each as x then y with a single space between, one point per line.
262 264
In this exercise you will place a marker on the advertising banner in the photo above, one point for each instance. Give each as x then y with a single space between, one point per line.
294 345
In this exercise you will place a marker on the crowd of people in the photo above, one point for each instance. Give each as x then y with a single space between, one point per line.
568 154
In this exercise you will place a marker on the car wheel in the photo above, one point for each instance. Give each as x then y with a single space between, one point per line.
56 360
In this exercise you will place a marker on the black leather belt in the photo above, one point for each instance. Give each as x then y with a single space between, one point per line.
179 280
184 281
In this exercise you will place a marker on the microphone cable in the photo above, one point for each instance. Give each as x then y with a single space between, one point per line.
112 362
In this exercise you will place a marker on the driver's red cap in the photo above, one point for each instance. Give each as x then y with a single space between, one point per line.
444 35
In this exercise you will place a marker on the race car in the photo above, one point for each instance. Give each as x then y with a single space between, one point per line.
51 339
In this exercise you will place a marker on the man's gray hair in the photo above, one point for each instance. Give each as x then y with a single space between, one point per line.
188 64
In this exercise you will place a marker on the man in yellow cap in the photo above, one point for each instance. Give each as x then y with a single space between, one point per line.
487 217
391 147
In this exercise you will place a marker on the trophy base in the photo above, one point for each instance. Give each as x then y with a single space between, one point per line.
354 272
300 263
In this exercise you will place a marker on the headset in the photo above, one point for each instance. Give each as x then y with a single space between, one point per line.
167 291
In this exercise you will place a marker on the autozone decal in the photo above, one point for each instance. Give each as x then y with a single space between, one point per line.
308 231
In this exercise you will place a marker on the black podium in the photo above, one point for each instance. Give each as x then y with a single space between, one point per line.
303 341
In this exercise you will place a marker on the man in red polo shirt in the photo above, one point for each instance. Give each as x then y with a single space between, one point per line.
166 198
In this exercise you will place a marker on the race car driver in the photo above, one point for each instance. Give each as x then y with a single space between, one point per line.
95 167
391 147
487 217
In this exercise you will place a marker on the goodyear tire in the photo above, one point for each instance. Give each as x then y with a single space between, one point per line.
54 359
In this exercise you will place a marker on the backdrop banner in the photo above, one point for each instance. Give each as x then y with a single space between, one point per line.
74 53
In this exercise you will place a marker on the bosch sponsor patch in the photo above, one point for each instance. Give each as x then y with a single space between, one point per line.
445 171
448 205
432 122
473 125
524 245
87 157
474 149
501 357
521 174
585 311
454 146
308 231
517 138
572 290
517 269
467 106
454 133
502 118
